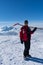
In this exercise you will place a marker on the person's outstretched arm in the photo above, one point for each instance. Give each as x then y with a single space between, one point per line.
33 30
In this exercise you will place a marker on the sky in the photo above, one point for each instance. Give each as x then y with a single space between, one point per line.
20 10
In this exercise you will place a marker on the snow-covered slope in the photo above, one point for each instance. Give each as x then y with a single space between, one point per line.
11 50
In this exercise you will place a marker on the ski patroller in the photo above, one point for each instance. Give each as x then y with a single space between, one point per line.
29 26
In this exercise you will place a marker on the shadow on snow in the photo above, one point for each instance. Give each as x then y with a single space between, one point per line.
34 59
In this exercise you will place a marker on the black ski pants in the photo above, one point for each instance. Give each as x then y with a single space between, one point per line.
27 48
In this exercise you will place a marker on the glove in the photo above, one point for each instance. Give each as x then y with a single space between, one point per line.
35 28
21 41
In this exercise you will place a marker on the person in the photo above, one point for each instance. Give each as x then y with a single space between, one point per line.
25 36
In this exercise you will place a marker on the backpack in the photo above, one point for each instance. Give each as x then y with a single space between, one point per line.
23 33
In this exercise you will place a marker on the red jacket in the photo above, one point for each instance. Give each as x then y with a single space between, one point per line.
25 33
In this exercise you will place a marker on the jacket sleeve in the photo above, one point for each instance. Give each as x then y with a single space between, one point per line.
33 30
21 36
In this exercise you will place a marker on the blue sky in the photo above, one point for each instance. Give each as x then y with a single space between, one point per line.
19 10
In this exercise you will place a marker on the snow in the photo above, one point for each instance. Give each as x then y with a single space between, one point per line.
11 50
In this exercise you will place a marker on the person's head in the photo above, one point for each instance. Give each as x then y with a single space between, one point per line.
26 22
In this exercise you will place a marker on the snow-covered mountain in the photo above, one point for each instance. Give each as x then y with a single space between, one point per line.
11 50
8 30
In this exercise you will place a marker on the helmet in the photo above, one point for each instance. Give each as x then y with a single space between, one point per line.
26 22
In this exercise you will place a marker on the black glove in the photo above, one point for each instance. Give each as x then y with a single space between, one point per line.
35 28
21 41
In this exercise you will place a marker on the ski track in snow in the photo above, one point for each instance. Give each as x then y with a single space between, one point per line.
11 50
